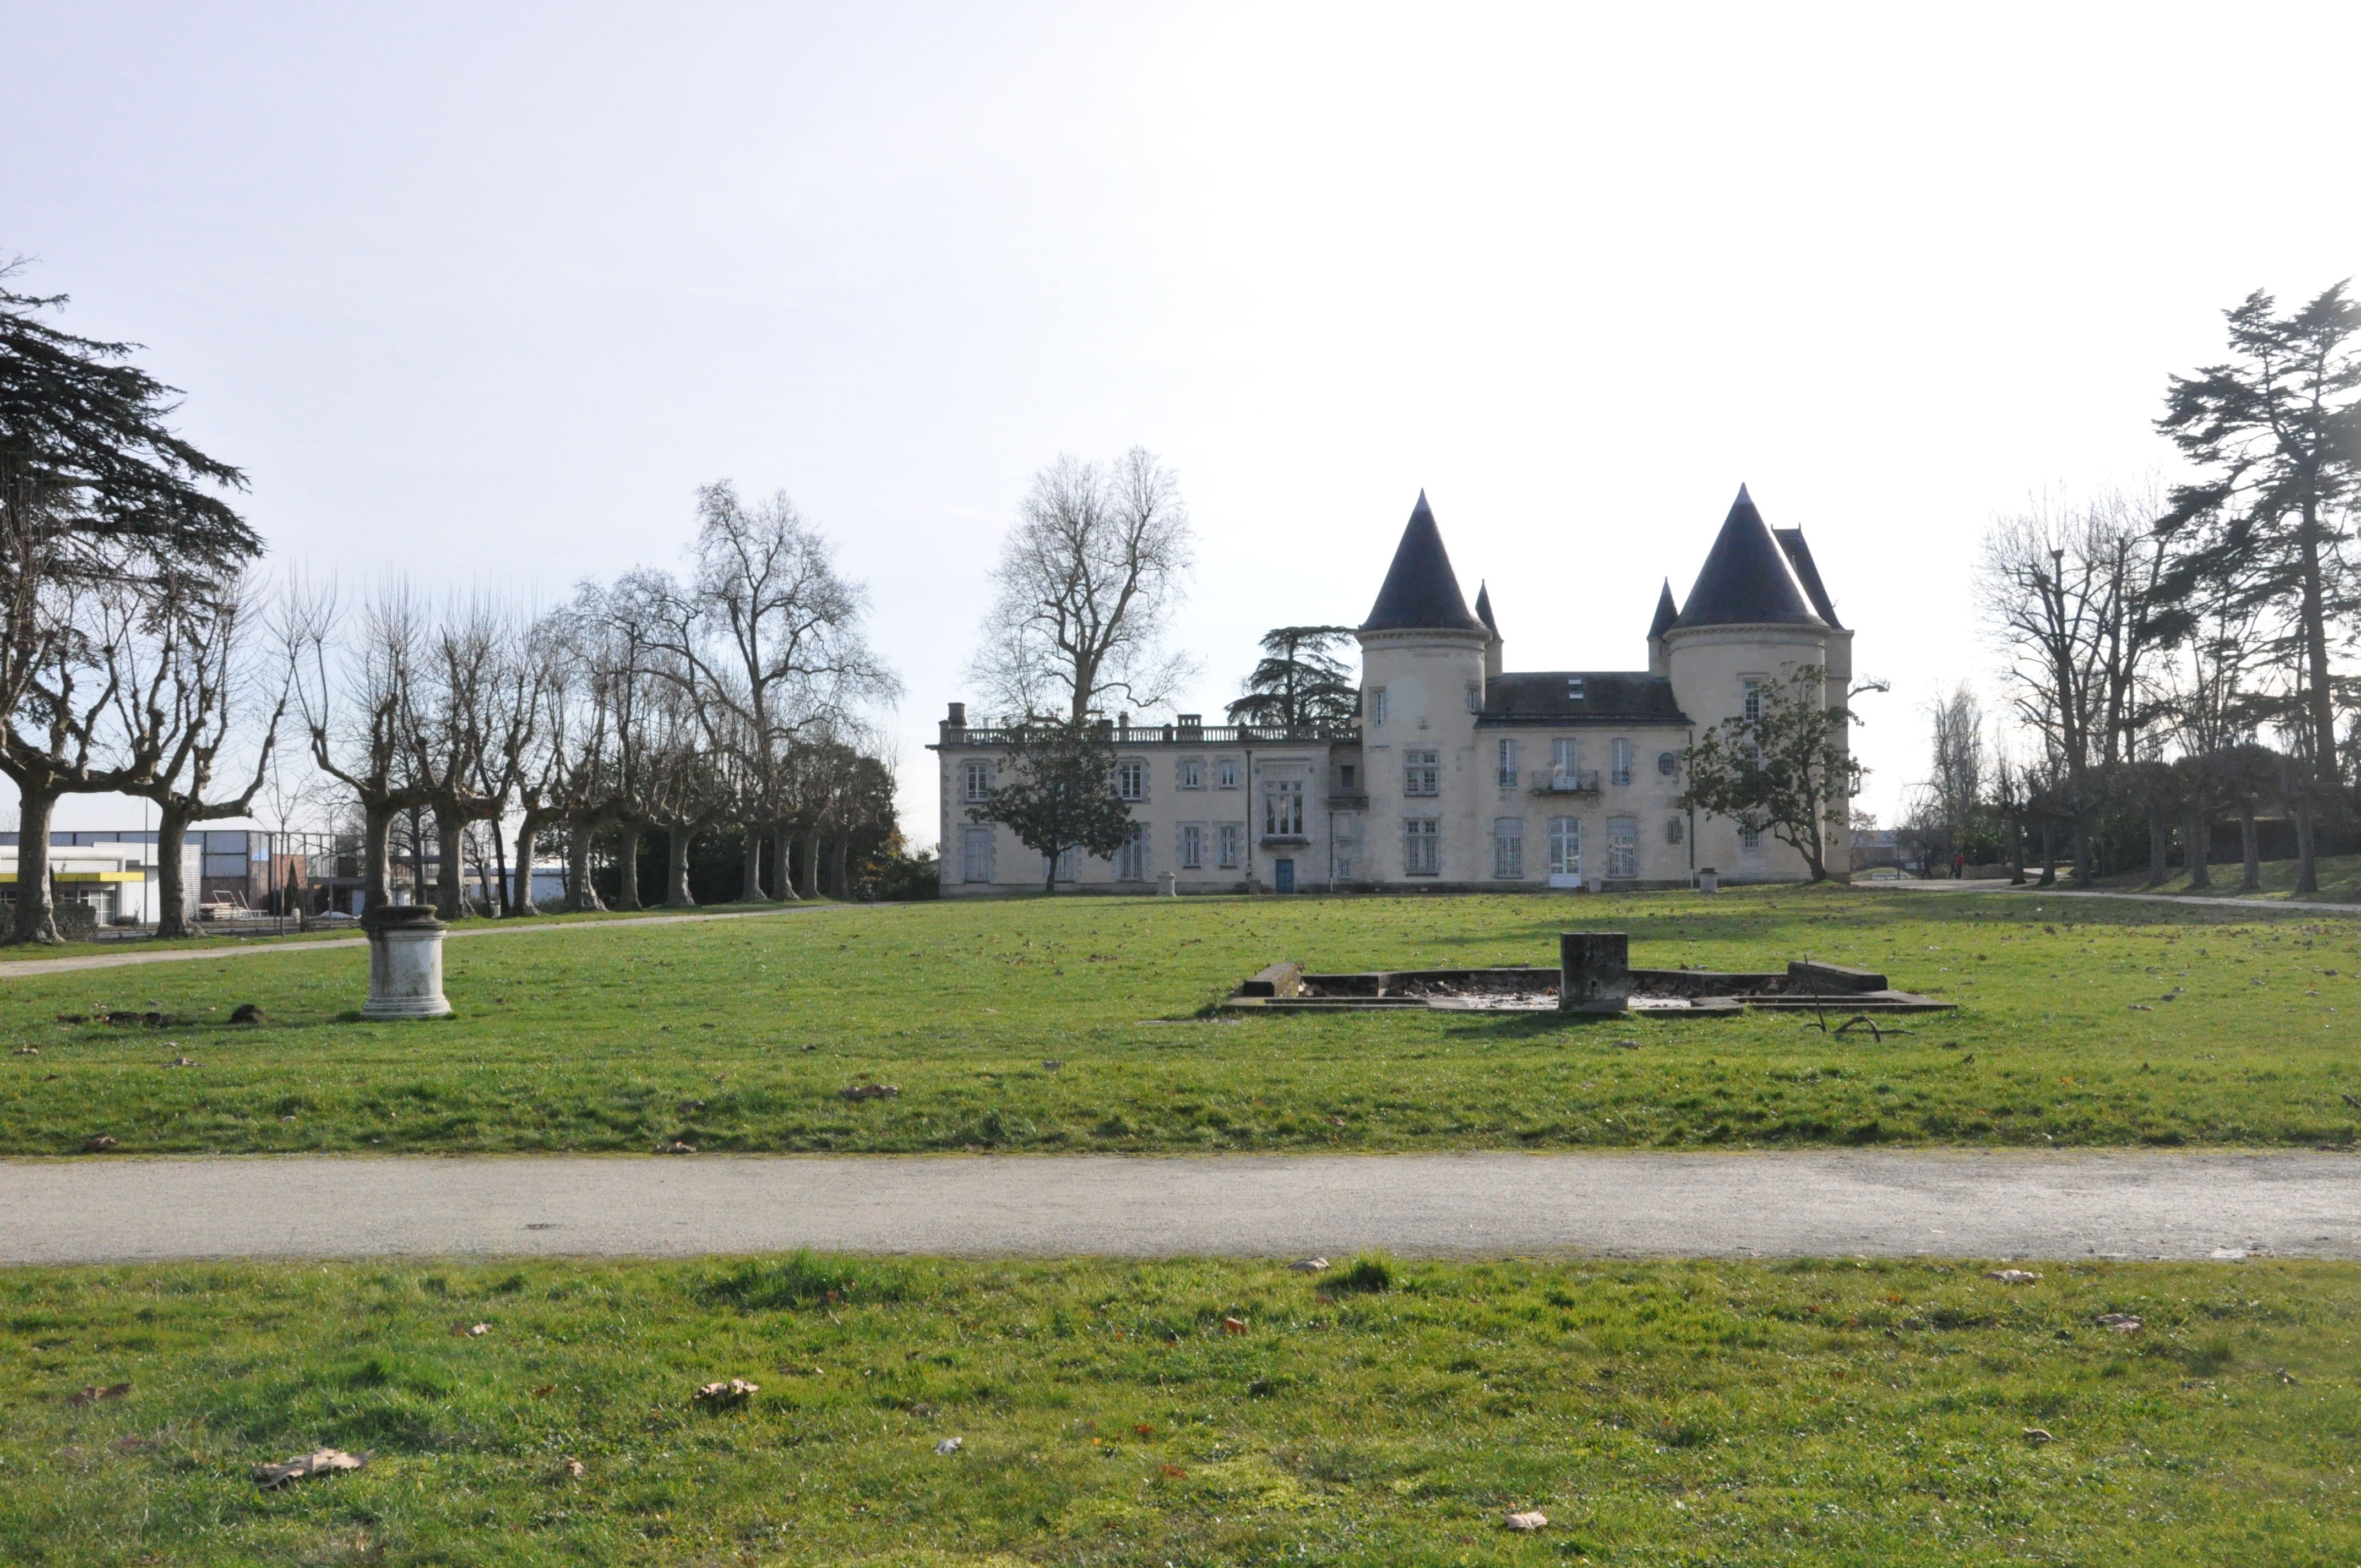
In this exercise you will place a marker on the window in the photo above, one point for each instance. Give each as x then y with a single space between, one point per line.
1422 774
1622 752
1070 861
1563 755
1131 860
1421 846
1475 697
1508 764
1192 845
1565 846
1573 688
1345 777
1226 843
1225 772
1751 699
1376 706
1673 830
975 781
1509 846
1749 835
1282 809
975 854
1131 780
1622 847
1668 764
1192 772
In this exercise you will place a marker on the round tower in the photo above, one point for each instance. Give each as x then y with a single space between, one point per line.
1423 673
1757 613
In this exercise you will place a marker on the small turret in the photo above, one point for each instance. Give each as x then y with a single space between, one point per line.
1494 650
1667 612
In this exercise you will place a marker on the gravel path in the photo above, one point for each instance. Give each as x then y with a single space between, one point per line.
1879 1204
244 949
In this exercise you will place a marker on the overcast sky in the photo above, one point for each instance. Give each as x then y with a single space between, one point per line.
481 293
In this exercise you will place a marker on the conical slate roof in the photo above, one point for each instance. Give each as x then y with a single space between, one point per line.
1484 609
1420 593
1667 612
1746 580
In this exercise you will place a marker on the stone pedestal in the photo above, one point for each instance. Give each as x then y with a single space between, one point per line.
405 962
1707 882
1171 882
1594 971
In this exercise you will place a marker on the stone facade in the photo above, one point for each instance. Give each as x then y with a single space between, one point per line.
1457 774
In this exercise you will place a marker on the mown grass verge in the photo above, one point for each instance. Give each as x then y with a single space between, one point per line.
1658 1413
1076 1023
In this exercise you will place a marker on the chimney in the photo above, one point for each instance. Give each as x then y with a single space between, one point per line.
959 716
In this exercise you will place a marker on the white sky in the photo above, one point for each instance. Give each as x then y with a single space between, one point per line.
480 293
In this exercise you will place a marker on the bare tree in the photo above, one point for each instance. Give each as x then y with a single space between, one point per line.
1086 581
1960 764
2067 593
216 687
355 698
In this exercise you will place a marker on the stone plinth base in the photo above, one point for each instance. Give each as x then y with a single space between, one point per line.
1594 971
405 963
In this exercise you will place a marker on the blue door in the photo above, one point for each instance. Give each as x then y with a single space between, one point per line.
1282 875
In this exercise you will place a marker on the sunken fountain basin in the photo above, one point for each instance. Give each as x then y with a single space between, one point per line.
1590 978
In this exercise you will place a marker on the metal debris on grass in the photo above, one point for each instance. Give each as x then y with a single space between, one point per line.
2011 1276
1532 1519
727 1395
950 1446
319 1461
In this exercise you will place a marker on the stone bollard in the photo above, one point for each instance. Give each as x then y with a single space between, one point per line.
1171 882
405 962
1707 882
1594 971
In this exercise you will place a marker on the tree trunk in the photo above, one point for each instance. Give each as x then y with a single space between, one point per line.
520 895
450 877
2048 855
376 856
2201 848
676 842
750 879
2250 847
36 918
581 894
496 897
2015 853
2084 874
171 873
2160 849
2307 859
840 884
627 865
812 864
783 873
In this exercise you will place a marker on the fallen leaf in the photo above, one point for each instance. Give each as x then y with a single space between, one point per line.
1234 1325
2037 1437
576 1468
1532 1519
36 1050
2122 1322
98 1144
319 1461
1309 1266
472 1330
544 1388
950 1446
870 1091
727 1395
180 1061
91 1395
2011 1276
675 1148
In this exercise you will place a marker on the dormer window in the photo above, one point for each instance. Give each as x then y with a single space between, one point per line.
1573 688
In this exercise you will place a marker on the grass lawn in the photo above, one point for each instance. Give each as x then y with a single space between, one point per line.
1069 1023
2340 881
1870 1413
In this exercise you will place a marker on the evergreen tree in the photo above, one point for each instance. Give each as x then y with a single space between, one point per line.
1063 797
1299 683
1787 771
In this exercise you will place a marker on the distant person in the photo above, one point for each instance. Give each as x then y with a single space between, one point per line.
1958 866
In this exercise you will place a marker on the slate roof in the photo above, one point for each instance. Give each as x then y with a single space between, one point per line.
1799 556
1747 579
1608 697
1421 591
1667 612
1484 609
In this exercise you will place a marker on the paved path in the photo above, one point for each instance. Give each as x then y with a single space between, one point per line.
1997 885
298 945
1829 1204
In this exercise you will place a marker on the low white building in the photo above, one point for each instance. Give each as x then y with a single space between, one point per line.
116 879
1458 772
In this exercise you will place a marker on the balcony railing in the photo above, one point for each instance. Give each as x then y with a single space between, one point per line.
1174 734
1584 781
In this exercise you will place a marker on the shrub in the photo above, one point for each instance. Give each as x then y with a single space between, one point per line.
1369 1273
